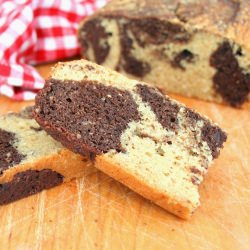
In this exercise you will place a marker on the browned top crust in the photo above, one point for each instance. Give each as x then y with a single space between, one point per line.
227 18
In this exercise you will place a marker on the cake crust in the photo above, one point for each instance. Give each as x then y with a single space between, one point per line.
228 19
182 209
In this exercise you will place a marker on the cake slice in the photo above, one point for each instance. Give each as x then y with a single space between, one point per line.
154 145
31 160
194 48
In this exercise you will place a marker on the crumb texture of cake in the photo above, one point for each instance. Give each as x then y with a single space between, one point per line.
137 135
27 183
31 160
193 48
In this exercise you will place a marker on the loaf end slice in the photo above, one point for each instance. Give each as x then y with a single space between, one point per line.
180 46
31 160
142 138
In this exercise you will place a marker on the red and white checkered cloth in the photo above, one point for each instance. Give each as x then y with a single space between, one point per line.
33 32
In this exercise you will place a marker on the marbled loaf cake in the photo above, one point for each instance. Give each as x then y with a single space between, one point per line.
30 160
154 145
195 48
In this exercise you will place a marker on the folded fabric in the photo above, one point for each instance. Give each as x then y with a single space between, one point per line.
33 32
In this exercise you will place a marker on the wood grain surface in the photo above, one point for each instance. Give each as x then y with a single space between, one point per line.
97 212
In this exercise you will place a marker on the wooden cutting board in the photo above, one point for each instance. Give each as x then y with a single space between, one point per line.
97 212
